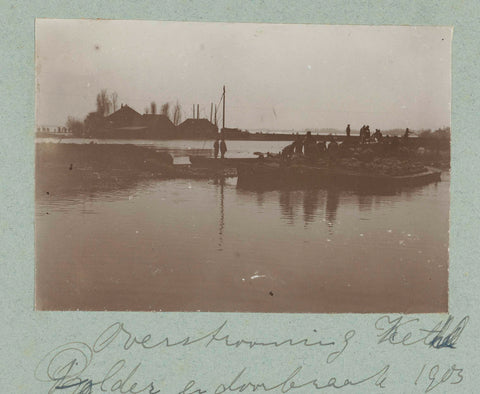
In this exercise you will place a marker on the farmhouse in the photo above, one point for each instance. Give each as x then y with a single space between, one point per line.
128 123
197 128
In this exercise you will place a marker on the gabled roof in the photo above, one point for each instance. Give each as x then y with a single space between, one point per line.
124 114
157 121
197 125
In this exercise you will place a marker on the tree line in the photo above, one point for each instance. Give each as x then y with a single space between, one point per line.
106 104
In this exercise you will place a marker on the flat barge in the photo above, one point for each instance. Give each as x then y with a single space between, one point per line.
272 176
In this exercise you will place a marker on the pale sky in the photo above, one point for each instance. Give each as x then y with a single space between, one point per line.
276 76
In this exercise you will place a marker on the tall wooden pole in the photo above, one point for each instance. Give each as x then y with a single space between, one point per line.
223 118
211 112
193 113
215 115
198 111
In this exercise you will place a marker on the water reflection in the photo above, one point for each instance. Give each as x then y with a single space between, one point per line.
286 206
316 203
365 202
333 200
62 187
220 183
260 198
310 205
322 204
317 250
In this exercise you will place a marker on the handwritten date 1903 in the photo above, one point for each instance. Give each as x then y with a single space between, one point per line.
435 377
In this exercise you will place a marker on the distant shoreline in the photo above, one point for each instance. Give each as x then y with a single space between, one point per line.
243 136
441 143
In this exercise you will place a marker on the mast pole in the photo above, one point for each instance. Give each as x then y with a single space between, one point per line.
223 118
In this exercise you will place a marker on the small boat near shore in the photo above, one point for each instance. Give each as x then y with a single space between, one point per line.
208 162
272 175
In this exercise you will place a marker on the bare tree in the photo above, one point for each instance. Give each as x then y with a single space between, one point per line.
166 110
114 101
93 123
177 114
75 126
153 107
103 103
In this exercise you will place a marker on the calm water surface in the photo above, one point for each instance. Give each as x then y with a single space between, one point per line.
188 245
181 149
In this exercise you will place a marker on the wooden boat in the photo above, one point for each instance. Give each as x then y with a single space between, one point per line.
208 162
272 175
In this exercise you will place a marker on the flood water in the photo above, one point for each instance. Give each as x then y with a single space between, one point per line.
188 245
180 150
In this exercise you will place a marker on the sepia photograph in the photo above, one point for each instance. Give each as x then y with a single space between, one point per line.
241 167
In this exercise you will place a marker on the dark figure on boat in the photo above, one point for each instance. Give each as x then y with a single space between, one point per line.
367 133
348 131
309 146
223 147
332 150
407 132
362 134
289 150
333 145
378 135
321 147
298 145
216 148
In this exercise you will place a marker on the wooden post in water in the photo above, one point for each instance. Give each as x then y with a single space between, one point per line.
193 113
198 111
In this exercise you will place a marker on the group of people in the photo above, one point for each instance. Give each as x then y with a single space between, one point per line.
365 134
309 148
219 145
312 149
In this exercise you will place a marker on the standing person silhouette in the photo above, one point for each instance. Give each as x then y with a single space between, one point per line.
223 147
309 145
362 134
216 147
298 145
348 130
